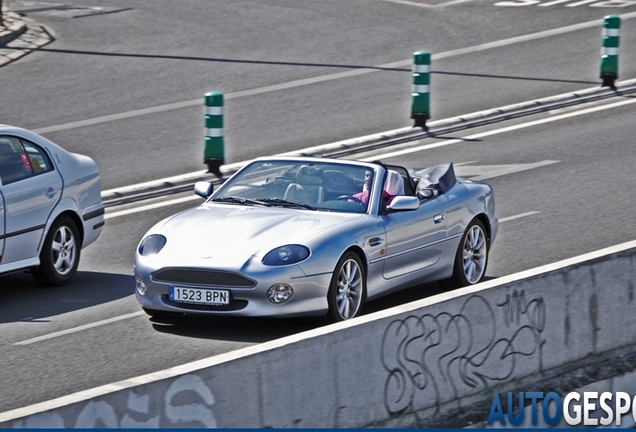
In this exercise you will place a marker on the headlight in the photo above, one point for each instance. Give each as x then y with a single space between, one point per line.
290 254
151 245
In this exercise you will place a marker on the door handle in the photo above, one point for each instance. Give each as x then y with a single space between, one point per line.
439 218
50 192
375 241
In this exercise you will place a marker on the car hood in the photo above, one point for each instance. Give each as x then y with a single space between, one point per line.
229 233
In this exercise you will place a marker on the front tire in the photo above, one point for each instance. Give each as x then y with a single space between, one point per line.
347 290
60 253
471 258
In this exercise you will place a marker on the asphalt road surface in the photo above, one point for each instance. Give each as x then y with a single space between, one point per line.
577 199
563 180
295 74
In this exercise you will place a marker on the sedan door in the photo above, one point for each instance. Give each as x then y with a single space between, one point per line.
31 189
415 239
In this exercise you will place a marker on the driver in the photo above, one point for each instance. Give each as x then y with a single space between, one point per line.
366 188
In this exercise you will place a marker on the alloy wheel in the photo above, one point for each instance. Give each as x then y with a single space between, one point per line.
350 288
475 254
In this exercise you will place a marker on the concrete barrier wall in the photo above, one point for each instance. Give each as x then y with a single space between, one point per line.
392 368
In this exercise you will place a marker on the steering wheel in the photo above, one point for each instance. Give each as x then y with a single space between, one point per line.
351 198
281 181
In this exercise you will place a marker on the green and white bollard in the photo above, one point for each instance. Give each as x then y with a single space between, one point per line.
214 153
609 50
420 106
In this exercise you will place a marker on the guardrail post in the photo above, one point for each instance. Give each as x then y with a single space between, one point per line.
609 51
420 107
214 153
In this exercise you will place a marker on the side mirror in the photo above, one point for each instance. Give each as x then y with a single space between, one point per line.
404 203
203 188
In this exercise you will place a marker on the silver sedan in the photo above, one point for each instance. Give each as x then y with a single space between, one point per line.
50 206
315 237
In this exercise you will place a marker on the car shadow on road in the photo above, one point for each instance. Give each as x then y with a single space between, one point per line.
259 330
235 329
22 299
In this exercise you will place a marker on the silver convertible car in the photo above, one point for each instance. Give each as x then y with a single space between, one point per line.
50 206
315 237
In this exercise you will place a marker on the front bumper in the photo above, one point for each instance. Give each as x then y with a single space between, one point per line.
309 297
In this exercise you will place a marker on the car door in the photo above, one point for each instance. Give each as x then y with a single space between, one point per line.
1 223
415 238
31 187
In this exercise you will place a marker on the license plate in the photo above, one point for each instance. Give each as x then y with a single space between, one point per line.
199 296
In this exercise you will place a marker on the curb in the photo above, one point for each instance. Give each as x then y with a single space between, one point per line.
14 28
182 183
21 38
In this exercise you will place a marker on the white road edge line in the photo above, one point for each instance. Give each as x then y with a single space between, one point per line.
467 139
403 152
141 313
331 77
80 328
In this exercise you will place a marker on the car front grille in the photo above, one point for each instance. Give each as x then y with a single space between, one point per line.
202 277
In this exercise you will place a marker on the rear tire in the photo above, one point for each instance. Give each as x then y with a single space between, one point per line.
471 258
347 290
60 253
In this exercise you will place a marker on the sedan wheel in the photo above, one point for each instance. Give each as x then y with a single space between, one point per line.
347 290
471 258
60 253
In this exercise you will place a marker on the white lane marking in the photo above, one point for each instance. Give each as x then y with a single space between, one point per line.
466 140
400 153
519 216
78 329
331 77
151 207
429 6
141 313
553 2
485 172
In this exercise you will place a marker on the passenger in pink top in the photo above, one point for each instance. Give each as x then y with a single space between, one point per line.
393 186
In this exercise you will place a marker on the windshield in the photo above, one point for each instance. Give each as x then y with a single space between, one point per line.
313 186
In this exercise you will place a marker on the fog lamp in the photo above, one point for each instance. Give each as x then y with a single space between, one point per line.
279 293
141 286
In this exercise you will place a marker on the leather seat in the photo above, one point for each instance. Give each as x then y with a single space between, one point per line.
307 188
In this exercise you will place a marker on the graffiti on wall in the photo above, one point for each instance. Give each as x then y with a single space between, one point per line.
431 359
186 403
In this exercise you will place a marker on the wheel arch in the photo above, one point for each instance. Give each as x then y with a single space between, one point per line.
363 258
483 218
75 218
